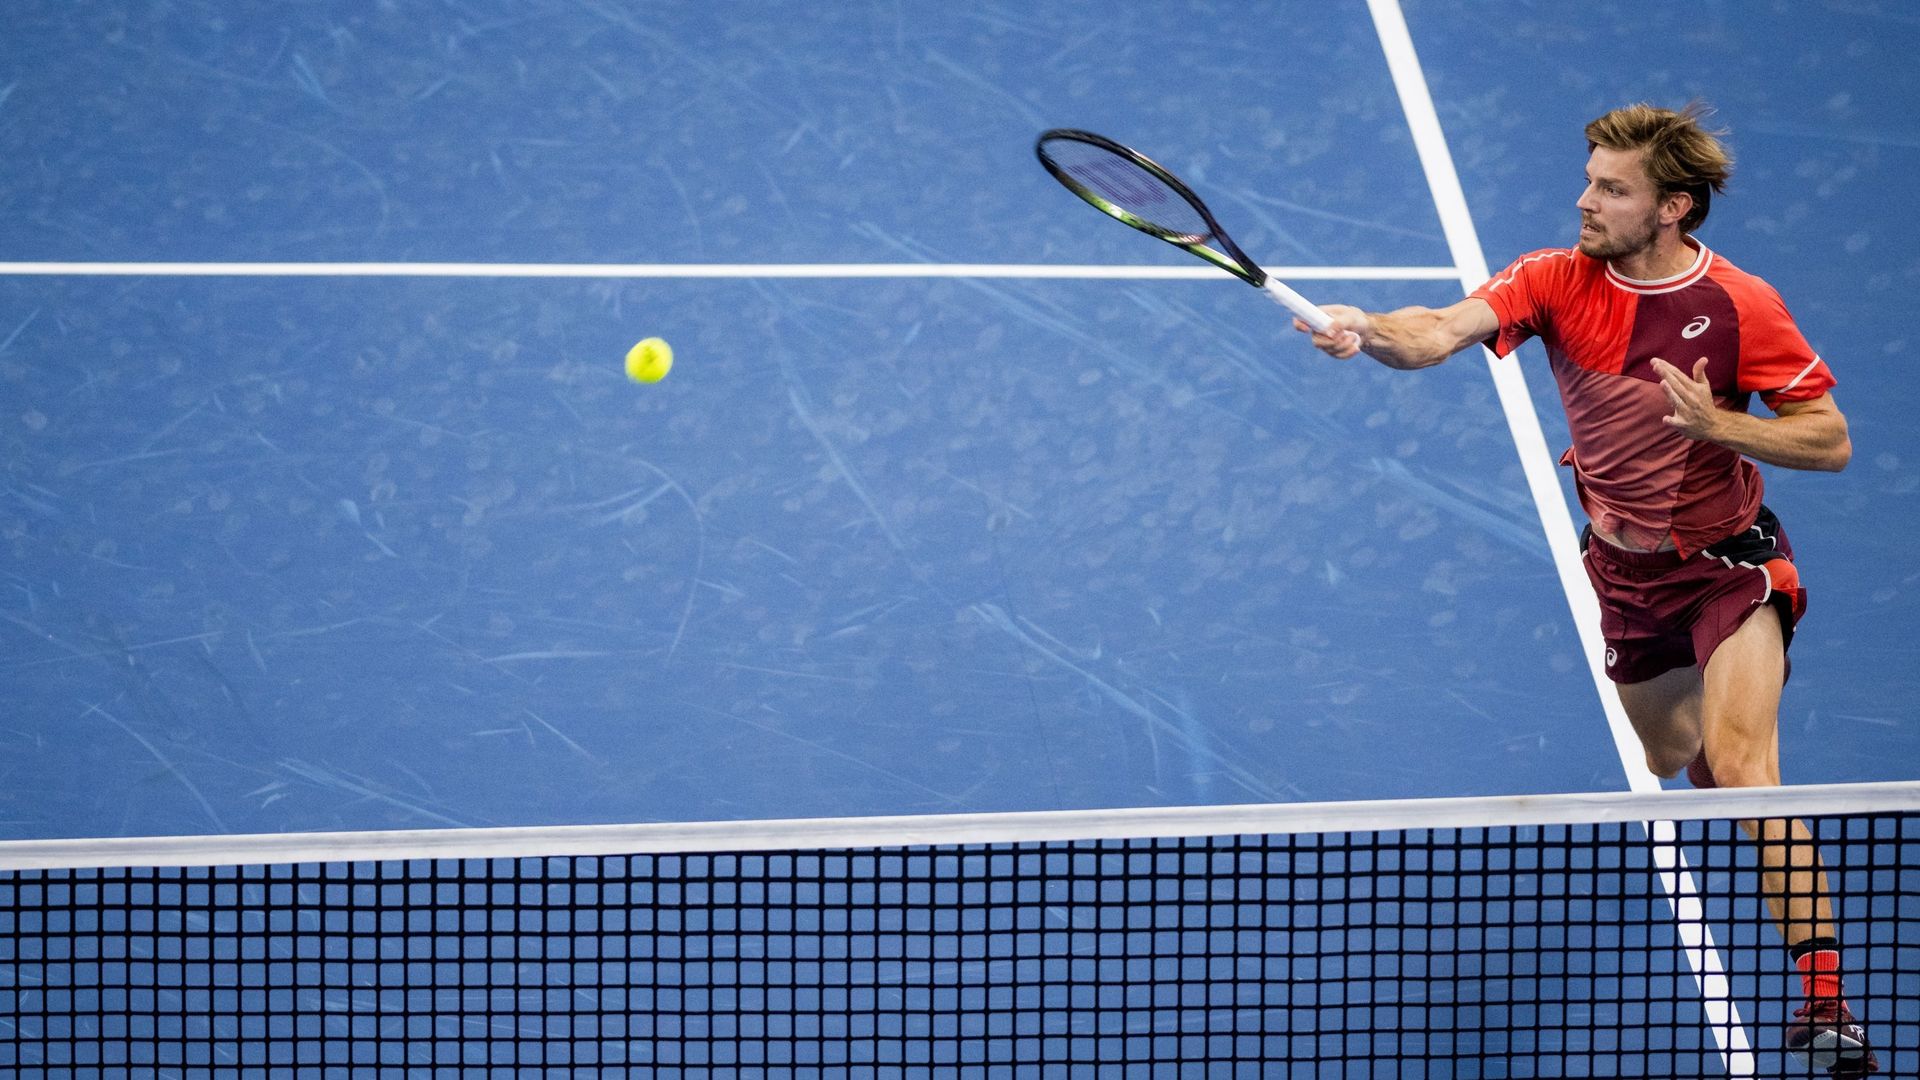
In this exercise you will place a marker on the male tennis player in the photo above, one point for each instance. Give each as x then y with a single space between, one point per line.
1657 344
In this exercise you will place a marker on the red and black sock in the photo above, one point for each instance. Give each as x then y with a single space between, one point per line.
1818 959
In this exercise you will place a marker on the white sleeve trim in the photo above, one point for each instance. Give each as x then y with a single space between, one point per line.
1803 374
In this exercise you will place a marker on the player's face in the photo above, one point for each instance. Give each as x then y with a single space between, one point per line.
1619 210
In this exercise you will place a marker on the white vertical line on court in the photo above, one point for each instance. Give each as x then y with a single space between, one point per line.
1463 242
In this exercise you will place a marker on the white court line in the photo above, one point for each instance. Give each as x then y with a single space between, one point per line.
1702 952
709 270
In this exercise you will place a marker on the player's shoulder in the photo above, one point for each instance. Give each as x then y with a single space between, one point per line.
1544 263
1743 285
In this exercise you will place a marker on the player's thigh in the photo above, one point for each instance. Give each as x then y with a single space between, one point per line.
1665 712
1741 708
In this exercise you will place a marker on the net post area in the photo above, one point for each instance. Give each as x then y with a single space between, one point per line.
1574 935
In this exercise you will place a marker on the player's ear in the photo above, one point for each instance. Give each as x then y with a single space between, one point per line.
1675 206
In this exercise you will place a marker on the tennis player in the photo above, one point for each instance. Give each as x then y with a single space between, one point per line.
1658 344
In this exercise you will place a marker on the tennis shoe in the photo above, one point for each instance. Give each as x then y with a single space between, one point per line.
1825 1036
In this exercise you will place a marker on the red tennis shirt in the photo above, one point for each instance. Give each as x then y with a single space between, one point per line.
1639 479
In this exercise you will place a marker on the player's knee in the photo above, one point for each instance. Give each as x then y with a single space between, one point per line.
1740 770
1667 763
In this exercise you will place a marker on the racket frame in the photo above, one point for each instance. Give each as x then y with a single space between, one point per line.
1232 260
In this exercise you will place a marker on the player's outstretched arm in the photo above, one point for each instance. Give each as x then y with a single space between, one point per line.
1413 337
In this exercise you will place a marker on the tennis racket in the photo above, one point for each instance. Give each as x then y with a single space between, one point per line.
1130 186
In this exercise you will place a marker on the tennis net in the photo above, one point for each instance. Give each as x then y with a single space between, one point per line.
1593 935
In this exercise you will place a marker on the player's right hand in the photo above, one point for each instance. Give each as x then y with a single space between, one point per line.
1344 339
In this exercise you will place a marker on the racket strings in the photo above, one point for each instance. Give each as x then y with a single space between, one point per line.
1113 182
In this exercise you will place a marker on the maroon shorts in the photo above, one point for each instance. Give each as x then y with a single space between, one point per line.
1659 611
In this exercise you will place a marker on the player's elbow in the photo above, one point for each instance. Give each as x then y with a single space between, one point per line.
1839 444
1821 440
1841 454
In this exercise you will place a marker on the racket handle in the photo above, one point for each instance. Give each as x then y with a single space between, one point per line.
1299 305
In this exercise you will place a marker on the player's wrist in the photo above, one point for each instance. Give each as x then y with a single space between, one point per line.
1367 329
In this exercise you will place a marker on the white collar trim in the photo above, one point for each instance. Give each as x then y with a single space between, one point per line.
1702 259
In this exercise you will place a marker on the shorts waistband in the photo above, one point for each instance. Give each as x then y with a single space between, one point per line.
1619 556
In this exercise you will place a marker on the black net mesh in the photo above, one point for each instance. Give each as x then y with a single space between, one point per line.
1480 952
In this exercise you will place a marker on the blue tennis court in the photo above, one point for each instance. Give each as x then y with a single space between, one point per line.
327 506
354 552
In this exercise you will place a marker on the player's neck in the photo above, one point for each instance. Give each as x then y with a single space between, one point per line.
1670 254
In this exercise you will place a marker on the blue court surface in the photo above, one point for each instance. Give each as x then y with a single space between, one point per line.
327 506
287 551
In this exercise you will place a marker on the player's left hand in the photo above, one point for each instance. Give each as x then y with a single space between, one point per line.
1694 413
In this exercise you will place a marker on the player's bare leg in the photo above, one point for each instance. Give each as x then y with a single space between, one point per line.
1665 713
1740 725
1739 718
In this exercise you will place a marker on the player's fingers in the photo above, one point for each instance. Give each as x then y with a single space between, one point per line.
1670 377
1343 344
1325 343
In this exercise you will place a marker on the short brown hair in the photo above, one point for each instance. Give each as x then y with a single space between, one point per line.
1679 153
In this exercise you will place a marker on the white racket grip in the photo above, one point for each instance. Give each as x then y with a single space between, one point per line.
1299 305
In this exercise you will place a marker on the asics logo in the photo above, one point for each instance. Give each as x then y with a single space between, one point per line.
1612 657
1695 328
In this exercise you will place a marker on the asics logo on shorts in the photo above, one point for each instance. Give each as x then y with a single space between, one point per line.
1612 657
1695 328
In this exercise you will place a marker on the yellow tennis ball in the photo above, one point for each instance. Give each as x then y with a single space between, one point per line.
649 361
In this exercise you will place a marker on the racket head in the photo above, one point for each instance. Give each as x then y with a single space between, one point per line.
1135 190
